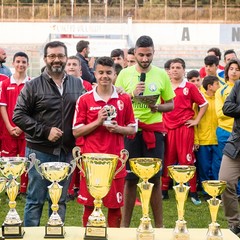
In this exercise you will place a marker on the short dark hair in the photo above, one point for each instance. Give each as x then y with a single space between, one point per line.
131 51
193 73
210 60
229 51
209 80
54 44
216 51
117 53
20 54
81 45
144 41
179 60
105 61
226 69
167 64
117 68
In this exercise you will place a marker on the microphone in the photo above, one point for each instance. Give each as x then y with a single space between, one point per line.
142 79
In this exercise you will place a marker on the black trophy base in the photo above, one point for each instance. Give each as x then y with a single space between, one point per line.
54 231
12 231
95 233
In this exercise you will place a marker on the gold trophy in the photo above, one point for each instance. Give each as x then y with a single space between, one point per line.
214 188
55 172
99 169
12 168
181 174
145 168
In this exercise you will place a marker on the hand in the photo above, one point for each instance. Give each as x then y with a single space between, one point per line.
113 127
154 108
102 116
91 62
140 87
120 90
55 134
196 147
191 123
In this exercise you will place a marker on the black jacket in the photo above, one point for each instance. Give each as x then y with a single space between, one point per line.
40 106
231 108
87 73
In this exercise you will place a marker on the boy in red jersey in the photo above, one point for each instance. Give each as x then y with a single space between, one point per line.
14 143
88 122
180 126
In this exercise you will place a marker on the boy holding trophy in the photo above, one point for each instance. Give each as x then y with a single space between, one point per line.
103 117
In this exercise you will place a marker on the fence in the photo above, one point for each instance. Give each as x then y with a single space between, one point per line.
182 11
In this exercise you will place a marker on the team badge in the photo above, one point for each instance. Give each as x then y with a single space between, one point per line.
152 87
120 105
189 157
119 197
185 91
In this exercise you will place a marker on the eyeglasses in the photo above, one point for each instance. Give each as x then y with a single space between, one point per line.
54 56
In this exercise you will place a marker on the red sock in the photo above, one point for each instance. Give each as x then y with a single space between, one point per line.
114 217
87 212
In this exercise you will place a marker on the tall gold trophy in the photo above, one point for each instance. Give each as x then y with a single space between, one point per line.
214 188
145 168
3 182
181 174
99 170
55 172
12 168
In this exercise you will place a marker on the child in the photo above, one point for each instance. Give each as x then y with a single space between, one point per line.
205 134
90 115
14 143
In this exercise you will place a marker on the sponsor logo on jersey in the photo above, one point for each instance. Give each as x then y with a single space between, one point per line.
95 108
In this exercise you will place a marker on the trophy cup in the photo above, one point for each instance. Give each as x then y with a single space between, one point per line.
214 188
12 168
111 112
181 174
99 169
55 172
145 168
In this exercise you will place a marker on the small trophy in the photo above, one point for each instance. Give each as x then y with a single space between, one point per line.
12 168
214 188
181 174
145 168
99 169
55 172
112 113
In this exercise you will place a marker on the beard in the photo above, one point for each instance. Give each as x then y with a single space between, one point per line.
144 65
55 70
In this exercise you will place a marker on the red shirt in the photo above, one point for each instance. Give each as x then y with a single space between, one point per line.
9 93
186 94
101 140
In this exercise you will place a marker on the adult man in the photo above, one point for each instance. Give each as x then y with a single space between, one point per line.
83 51
3 69
149 140
44 111
90 115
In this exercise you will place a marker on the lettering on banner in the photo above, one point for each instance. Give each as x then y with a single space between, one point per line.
185 34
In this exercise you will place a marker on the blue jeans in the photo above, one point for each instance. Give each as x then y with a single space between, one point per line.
37 191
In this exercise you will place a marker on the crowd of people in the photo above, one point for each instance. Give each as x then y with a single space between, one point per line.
194 122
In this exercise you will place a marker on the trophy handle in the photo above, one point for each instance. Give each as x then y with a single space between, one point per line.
72 167
124 154
31 162
36 164
76 152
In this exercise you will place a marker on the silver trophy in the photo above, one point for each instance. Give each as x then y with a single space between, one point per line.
12 168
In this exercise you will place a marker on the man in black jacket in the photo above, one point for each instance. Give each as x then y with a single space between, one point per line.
87 66
44 111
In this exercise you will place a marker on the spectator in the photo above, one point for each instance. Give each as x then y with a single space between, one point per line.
117 56
4 69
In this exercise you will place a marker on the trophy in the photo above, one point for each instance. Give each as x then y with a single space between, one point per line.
111 112
181 174
55 172
12 168
214 188
145 168
99 169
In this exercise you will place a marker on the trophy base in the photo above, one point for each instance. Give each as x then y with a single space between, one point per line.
214 232
54 231
12 231
181 232
95 233
145 236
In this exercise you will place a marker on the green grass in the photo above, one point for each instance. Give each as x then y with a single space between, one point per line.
196 216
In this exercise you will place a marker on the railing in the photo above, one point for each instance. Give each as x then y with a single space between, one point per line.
72 12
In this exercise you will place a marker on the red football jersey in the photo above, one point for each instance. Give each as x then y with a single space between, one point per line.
101 140
186 94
